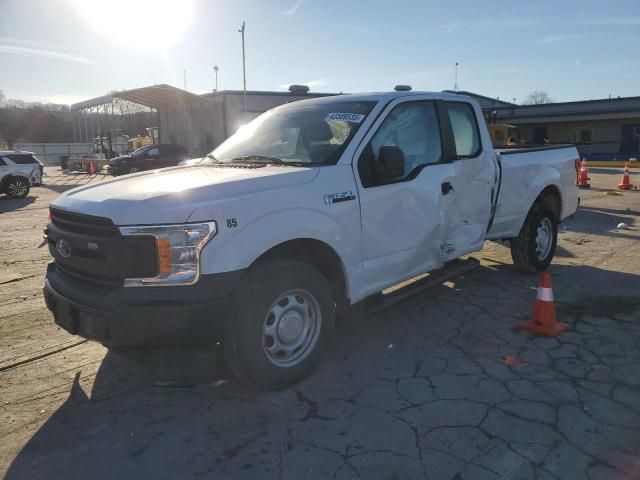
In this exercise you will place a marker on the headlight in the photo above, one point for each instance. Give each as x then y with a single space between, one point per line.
178 249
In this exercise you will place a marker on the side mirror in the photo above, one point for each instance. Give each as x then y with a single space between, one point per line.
390 164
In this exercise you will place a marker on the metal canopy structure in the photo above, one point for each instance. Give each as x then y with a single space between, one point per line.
157 97
104 110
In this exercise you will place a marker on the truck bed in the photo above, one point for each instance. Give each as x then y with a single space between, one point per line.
525 172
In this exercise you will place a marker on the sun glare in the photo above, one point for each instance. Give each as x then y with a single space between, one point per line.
138 24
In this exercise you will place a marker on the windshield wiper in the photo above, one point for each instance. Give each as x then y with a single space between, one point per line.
264 159
210 156
260 159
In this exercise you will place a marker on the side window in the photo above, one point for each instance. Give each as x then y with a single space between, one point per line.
22 159
414 128
465 129
2 162
153 153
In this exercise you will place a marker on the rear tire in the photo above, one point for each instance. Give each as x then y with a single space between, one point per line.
281 320
17 187
533 249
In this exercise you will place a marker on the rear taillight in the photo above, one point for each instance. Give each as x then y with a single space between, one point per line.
577 165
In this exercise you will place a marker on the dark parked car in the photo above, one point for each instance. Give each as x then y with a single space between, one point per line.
148 157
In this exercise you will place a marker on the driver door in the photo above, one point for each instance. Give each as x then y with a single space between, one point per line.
402 224
151 158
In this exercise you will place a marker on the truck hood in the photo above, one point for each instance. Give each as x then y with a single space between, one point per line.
172 195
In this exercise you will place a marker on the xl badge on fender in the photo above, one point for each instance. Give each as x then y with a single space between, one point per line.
339 197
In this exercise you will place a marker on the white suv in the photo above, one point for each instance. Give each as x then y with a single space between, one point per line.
19 171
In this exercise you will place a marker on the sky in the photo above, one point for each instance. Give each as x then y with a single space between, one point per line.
64 51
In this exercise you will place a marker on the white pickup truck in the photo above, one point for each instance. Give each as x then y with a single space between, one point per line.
313 206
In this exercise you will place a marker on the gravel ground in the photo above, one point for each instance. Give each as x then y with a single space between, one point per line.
419 390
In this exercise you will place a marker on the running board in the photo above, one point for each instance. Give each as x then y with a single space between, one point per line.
419 284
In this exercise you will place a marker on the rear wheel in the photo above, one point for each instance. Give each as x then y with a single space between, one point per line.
17 187
281 320
533 249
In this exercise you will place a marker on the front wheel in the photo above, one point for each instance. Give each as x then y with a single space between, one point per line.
282 318
533 249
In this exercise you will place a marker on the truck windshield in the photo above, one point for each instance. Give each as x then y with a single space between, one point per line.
296 135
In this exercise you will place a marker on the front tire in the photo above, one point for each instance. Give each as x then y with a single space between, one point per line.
281 321
17 187
533 249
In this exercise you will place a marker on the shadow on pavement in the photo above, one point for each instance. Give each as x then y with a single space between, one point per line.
612 211
8 204
127 428
598 221
67 182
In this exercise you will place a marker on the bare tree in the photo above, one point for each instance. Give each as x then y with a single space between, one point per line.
2 97
538 97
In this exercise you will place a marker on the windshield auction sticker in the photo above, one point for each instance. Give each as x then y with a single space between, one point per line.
346 117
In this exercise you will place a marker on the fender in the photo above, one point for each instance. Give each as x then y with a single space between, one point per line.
540 179
237 248
519 194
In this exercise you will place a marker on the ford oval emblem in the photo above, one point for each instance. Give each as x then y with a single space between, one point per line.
64 248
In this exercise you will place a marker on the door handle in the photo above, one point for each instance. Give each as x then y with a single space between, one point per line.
446 187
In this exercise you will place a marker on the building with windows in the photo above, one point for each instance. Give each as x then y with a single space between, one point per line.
602 130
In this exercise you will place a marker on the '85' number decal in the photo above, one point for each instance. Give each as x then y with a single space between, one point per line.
232 223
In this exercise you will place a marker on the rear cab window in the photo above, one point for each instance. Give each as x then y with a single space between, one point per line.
464 126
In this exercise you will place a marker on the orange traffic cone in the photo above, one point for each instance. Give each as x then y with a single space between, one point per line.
583 176
626 181
92 168
543 320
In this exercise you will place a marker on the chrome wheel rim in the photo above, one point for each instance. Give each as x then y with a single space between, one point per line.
17 188
133 170
291 328
544 239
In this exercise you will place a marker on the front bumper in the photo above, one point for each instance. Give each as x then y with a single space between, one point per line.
116 169
142 317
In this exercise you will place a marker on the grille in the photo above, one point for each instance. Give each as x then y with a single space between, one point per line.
100 257
83 224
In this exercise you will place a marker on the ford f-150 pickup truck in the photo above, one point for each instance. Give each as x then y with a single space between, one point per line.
311 207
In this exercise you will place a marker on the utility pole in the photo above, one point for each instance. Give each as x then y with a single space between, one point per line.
244 71
455 81
215 69
184 72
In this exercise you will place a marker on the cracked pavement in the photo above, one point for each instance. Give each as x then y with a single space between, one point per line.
419 390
